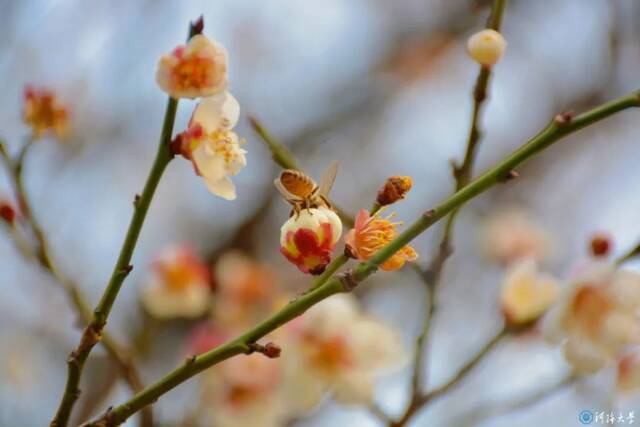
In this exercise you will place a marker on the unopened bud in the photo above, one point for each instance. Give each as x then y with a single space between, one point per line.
394 189
486 47
601 244
7 213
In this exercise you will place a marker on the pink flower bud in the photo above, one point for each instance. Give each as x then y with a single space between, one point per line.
308 238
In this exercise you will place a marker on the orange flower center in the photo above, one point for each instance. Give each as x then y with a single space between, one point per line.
329 354
192 72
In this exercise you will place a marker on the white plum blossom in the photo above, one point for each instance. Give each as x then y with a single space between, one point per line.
596 318
526 293
197 69
179 286
335 347
212 145
511 234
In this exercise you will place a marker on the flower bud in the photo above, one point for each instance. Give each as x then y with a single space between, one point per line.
394 189
601 244
7 212
486 47
308 238
526 293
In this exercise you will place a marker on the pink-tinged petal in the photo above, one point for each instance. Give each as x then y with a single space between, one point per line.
361 219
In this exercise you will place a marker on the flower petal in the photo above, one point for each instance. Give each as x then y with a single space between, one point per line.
216 112
222 187
209 165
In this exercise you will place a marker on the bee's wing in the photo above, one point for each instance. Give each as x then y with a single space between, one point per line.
286 193
328 178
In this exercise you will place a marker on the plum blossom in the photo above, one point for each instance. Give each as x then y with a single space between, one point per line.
335 347
526 293
245 290
197 69
179 285
212 145
628 372
596 318
44 113
244 391
510 234
372 233
308 238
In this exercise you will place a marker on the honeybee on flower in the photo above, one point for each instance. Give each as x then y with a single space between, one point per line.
302 192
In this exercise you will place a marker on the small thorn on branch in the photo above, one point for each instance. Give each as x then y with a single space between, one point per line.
126 270
136 200
429 214
509 176
271 350
564 118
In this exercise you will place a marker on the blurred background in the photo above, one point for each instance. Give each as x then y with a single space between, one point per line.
382 86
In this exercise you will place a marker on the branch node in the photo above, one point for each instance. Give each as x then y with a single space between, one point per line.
509 176
270 350
429 214
136 200
564 118
126 270
348 280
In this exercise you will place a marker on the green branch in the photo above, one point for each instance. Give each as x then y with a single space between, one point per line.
345 282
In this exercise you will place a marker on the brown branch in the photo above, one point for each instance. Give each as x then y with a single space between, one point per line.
497 409
420 400
118 353
432 276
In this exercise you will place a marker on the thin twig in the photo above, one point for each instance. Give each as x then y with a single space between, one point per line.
500 408
419 401
555 131
92 333
632 253
462 175
116 351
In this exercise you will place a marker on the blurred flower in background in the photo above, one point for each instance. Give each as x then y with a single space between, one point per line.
45 113
362 81
179 286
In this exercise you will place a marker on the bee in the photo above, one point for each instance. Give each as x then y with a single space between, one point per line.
302 192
